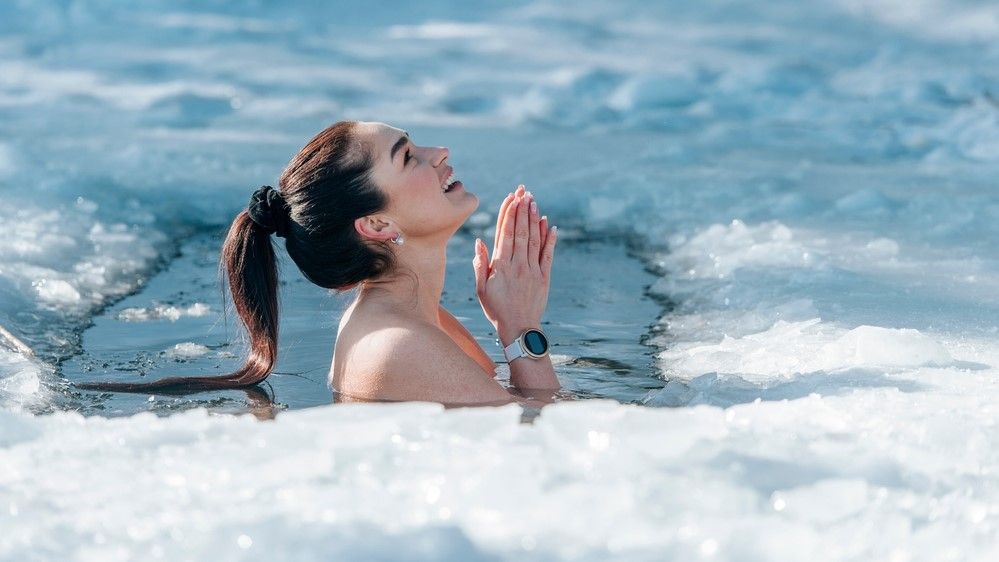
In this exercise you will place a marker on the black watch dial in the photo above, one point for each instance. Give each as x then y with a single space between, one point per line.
535 342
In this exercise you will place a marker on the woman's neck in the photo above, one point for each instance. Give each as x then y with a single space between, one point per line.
417 285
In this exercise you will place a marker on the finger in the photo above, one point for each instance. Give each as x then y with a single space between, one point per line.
521 234
543 230
548 254
534 236
499 220
479 266
505 252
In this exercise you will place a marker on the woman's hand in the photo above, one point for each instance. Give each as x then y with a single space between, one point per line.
542 224
513 286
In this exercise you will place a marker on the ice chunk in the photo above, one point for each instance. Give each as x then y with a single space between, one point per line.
57 291
160 311
186 350
719 250
787 348
886 347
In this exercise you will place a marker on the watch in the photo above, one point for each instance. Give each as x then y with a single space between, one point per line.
532 343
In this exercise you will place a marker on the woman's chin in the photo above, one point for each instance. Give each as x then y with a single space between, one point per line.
473 203
458 195
468 204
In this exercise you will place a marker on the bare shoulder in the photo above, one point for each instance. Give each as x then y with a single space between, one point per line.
399 358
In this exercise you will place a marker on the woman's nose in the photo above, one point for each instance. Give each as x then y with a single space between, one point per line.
440 155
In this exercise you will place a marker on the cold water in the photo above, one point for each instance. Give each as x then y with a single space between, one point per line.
791 216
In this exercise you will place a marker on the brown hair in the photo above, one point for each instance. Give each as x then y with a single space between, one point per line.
327 186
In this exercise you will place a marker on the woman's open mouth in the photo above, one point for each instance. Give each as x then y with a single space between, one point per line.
451 184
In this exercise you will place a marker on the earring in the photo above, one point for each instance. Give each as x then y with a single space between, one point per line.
398 239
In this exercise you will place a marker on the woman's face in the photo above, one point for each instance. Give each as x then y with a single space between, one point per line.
413 178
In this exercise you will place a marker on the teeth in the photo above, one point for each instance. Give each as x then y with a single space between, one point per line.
447 183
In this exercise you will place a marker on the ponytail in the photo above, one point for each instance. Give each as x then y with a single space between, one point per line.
250 267
322 191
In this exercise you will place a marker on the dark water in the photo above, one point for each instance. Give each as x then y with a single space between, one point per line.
597 319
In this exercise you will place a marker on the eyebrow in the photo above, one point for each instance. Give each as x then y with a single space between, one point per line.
398 144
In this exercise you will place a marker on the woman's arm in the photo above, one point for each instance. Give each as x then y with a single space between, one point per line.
468 343
413 361
465 340
513 286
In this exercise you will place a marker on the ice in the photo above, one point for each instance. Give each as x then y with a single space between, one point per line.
760 480
947 20
721 249
813 183
57 292
644 92
163 311
824 502
186 350
789 348
874 346
21 380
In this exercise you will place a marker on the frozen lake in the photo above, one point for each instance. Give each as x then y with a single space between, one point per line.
777 305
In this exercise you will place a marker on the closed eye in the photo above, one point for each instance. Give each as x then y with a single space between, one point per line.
406 157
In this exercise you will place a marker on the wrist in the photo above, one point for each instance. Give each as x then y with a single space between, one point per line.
508 333
531 343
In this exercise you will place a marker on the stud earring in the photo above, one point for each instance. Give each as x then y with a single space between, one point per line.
398 239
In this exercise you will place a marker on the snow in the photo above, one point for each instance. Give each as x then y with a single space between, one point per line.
814 184
859 476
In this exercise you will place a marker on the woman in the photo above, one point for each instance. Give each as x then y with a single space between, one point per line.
361 205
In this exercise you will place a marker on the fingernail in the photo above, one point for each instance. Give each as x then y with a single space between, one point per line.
544 217
554 229
534 207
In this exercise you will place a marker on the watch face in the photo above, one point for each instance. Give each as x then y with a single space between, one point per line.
535 342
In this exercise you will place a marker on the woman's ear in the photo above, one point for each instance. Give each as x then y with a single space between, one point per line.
372 228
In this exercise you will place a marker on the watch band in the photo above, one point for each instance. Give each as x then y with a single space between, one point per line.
514 350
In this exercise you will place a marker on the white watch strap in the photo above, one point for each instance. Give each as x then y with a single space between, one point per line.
513 351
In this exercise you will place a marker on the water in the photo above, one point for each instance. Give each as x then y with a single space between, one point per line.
803 193
176 325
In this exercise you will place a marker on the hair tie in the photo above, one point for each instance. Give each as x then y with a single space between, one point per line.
269 211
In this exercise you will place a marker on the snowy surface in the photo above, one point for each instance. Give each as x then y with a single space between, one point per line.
813 182
866 475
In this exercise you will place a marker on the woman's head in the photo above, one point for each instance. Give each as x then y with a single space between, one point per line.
413 178
347 194
356 186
